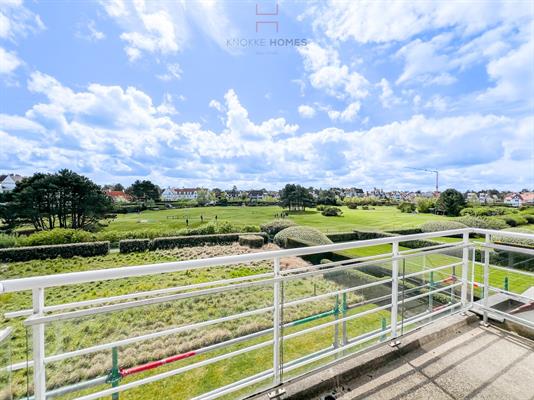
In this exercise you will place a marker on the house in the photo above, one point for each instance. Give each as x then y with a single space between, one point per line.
513 199
472 197
256 194
175 194
527 198
8 182
118 196
486 198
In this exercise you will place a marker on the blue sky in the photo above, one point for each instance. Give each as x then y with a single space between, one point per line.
358 94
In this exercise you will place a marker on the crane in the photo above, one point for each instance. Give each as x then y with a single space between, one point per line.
429 170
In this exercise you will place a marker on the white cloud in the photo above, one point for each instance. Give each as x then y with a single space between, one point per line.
513 74
387 97
108 132
347 115
327 73
382 21
216 105
163 27
174 71
437 103
306 111
17 21
9 62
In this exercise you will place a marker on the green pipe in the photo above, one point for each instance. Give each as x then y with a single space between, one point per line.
430 297
115 375
313 317
384 327
506 286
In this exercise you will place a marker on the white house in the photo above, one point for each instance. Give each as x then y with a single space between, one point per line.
175 194
513 199
8 182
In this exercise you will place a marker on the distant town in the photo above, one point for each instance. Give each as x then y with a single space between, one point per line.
119 194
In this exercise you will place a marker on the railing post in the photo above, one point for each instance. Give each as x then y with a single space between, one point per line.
394 291
344 314
277 377
465 268
38 342
486 278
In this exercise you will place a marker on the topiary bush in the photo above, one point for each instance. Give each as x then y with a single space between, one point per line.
331 211
252 241
273 227
483 223
54 251
436 226
134 245
195 240
306 234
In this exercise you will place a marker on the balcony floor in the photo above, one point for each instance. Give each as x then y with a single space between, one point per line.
478 363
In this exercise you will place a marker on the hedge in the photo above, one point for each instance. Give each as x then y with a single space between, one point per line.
436 226
134 245
54 251
253 241
197 240
303 233
275 226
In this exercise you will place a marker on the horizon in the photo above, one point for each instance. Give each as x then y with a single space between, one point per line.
210 95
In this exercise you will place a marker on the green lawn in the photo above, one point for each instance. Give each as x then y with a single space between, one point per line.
377 219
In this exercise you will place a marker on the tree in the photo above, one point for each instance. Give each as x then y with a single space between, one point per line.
327 197
296 197
144 191
202 197
451 202
117 187
47 201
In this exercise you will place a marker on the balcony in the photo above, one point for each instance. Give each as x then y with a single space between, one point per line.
261 332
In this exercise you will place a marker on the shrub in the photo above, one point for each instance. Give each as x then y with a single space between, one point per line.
366 207
483 223
273 227
320 207
425 205
250 228
436 226
57 236
7 240
352 206
54 251
306 234
487 211
195 240
529 218
406 207
513 219
515 241
332 212
253 241
134 245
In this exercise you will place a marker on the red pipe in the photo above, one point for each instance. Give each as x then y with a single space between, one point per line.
155 364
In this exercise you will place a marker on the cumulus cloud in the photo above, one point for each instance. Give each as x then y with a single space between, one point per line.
306 111
326 72
17 21
109 132
347 115
174 71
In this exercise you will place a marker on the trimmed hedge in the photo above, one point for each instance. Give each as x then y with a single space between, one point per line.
436 226
407 231
275 226
63 250
134 245
196 240
253 241
483 223
302 233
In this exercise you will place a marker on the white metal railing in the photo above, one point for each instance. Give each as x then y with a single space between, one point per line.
417 282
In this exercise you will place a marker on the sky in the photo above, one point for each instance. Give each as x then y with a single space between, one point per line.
262 93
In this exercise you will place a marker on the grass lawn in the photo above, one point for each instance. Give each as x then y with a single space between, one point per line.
377 219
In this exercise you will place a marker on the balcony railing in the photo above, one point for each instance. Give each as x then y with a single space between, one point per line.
264 326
